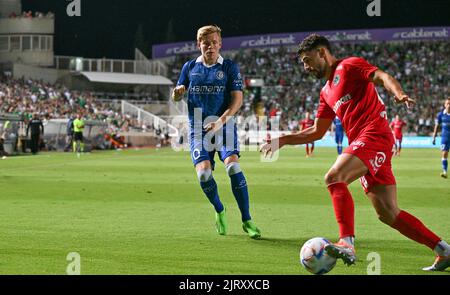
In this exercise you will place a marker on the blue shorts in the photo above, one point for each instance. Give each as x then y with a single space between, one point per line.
339 137
445 143
205 145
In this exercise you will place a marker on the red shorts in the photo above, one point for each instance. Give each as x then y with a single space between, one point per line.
376 152
398 137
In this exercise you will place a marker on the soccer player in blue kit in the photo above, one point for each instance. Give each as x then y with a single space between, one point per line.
443 118
214 87
338 134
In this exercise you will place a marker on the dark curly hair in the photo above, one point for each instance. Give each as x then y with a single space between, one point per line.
312 42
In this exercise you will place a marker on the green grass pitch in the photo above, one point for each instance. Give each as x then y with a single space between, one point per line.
143 212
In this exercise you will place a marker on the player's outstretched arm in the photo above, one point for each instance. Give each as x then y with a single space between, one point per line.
393 86
313 133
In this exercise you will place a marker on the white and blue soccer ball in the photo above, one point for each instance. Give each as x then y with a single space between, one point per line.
314 257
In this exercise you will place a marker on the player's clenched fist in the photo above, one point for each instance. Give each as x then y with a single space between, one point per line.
178 92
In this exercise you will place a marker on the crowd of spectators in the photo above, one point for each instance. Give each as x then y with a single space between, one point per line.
423 69
26 97
30 14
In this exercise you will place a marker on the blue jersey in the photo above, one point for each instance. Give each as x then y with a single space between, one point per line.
443 119
209 94
209 87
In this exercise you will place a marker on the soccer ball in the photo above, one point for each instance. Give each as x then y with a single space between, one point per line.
314 258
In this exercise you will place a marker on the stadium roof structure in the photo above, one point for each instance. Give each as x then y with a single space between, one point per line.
126 78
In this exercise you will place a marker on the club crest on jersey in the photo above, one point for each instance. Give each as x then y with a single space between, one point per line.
336 80
220 75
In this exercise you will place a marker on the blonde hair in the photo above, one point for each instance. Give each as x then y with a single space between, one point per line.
206 30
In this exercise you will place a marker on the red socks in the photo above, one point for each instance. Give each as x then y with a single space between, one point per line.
405 223
344 208
414 229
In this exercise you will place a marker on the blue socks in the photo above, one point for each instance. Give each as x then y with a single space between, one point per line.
239 188
444 164
339 149
209 187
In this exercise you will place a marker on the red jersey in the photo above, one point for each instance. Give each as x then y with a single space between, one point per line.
306 123
397 126
350 95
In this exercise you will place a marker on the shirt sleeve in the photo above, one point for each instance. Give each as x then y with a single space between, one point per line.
360 68
324 111
234 78
184 76
438 119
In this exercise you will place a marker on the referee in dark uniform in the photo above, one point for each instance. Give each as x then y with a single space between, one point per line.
37 129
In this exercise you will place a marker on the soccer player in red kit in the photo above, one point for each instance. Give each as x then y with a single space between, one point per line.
350 94
306 123
397 128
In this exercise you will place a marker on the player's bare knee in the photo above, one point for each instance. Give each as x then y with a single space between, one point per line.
333 176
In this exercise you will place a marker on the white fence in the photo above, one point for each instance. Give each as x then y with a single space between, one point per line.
148 119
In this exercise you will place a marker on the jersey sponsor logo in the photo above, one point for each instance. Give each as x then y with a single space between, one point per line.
341 101
204 89
220 75
376 163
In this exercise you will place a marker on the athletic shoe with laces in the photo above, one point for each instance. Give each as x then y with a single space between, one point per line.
342 250
221 222
440 264
250 227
